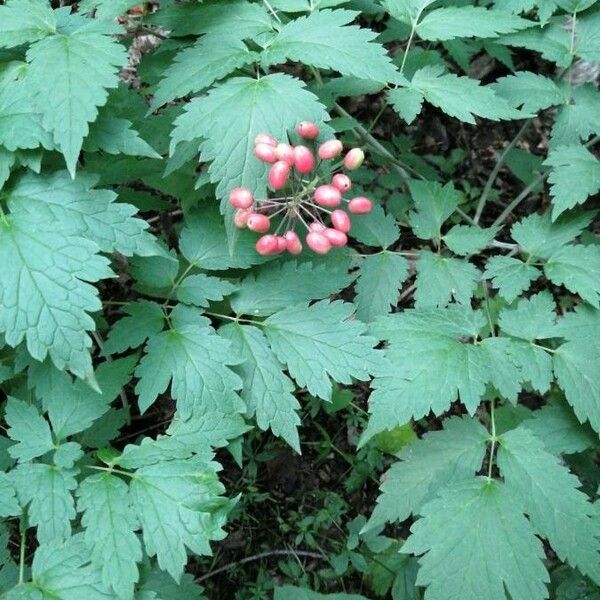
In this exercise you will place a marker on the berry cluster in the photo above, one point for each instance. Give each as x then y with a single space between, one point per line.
304 199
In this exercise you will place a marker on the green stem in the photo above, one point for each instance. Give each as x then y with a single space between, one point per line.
22 555
493 438
408 44
111 470
234 319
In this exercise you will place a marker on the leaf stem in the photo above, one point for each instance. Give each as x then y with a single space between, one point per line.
22 554
493 438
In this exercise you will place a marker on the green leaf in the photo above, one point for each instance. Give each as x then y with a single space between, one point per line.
440 458
79 209
106 9
440 280
574 177
267 391
260 293
407 11
199 290
165 587
380 278
434 203
196 68
577 118
197 361
23 21
288 592
116 136
324 40
375 229
178 504
461 97
318 342
29 429
9 507
511 276
577 267
47 490
69 75
549 494
145 319
233 114
477 529
468 21
467 239
529 91
110 522
406 102
553 41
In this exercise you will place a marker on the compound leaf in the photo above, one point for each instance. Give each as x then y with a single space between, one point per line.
23 21
29 429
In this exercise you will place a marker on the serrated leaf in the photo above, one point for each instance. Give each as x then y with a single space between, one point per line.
78 209
324 39
23 21
376 228
529 91
577 118
9 507
549 494
109 523
440 280
477 529
511 276
468 239
553 41
451 22
116 136
428 465
267 391
29 429
106 9
196 68
461 97
233 114
434 203
288 592
380 277
574 177
69 75
407 11
320 341
179 505
197 361
162 584
406 102
47 490
261 292
200 289
145 319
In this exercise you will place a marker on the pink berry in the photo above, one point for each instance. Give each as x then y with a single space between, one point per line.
318 242
317 226
241 217
360 205
336 238
294 245
265 152
278 174
354 159
265 138
330 149
307 130
340 220
241 198
304 161
327 195
258 223
281 244
285 152
341 182
267 244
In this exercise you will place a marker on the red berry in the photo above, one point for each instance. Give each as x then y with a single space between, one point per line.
265 152
340 220
327 195
278 174
241 217
317 226
341 182
265 138
304 160
285 152
258 223
241 198
307 130
318 242
267 244
330 149
360 205
354 159
336 238
294 245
